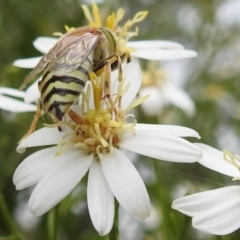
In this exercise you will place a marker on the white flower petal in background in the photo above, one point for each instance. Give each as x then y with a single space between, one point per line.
179 98
56 185
13 105
100 199
166 87
27 62
32 93
156 44
12 92
44 44
126 184
227 13
214 212
214 160
25 219
189 18
132 228
163 55
155 103
160 146
177 72
9 103
129 227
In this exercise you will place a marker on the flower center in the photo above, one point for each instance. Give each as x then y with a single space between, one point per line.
153 75
99 122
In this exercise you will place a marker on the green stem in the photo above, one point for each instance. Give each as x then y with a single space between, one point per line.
52 223
8 221
162 199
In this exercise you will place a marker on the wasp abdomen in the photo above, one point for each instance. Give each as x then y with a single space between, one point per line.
60 90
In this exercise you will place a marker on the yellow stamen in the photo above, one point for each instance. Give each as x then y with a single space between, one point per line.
231 158
136 103
111 22
100 138
96 15
140 16
87 14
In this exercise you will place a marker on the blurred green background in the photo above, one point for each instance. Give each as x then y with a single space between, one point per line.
209 27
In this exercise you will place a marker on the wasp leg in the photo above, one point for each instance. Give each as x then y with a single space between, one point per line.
34 122
107 78
76 118
114 60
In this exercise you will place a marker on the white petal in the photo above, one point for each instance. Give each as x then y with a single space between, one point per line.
126 184
214 160
27 63
155 103
216 211
44 44
32 93
132 76
12 92
163 55
161 146
59 183
179 98
154 44
13 105
32 169
178 131
42 137
100 200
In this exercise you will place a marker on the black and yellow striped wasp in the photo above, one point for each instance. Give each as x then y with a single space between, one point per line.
67 66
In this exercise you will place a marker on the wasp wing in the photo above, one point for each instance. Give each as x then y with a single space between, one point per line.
69 52
76 53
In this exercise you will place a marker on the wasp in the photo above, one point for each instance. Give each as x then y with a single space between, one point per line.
67 66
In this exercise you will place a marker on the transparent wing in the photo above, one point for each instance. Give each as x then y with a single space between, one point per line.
74 55
69 52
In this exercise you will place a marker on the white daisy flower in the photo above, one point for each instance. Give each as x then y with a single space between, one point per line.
162 91
215 211
91 140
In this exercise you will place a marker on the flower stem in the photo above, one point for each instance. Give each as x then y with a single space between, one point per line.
52 223
9 221
162 195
